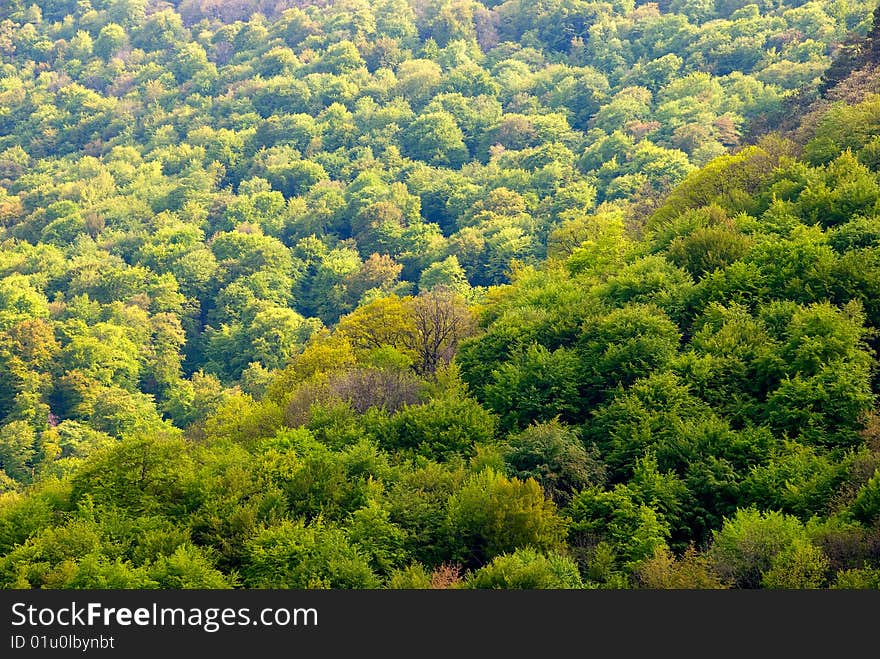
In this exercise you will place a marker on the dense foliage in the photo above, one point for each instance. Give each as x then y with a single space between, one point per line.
436 294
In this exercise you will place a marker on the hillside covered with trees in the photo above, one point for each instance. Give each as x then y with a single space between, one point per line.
439 294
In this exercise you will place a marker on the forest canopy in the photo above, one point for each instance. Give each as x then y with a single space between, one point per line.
439 294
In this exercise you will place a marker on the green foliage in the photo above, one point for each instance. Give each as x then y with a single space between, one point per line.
797 480
866 507
626 344
17 450
493 515
858 579
690 572
418 502
527 569
21 517
553 455
708 249
383 541
650 414
187 568
536 385
412 577
275 309
826 408
632 530
753 545
295 555
141 474
440 429
728 181
436 139
800 566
